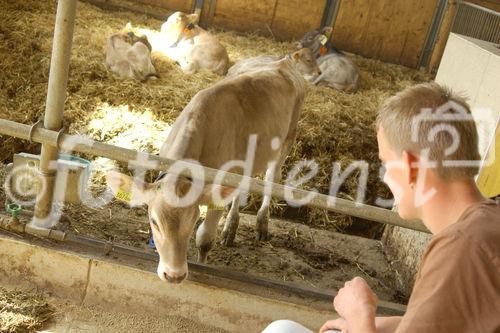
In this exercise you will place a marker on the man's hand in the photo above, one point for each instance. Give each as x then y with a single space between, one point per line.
357 304
336 324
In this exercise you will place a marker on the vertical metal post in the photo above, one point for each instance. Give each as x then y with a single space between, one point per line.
56 95
198 8
209 17
330 13
431 38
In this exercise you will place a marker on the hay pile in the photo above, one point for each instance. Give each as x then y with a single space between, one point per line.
334 126
22 312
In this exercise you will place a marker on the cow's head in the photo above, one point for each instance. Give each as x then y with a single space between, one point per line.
315 40
173 209
305 63
177 26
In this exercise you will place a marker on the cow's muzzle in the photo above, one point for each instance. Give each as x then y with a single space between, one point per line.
176 280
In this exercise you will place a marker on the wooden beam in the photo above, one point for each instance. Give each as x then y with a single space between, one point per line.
442 38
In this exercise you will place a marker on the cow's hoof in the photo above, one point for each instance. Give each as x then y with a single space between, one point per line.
202 257
227 237
262 235
203 252
261 226
229 231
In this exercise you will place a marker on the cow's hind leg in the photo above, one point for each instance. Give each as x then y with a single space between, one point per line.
205 235
232 222
261 227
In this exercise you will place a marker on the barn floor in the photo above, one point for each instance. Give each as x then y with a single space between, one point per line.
71 318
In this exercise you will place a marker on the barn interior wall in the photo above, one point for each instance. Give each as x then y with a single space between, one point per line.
389 30
175 5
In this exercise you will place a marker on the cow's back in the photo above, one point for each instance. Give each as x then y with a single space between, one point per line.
215 126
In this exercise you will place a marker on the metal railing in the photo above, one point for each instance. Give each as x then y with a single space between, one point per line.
477 22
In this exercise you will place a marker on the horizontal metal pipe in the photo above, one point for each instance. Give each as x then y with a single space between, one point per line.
83 145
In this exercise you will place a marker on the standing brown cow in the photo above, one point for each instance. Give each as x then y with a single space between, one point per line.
214 129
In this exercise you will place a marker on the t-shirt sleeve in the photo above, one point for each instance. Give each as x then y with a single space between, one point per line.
456 290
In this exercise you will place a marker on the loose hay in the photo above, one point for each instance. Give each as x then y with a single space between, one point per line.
334 126
22 312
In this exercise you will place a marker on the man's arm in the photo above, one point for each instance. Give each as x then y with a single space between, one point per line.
382 324
387 324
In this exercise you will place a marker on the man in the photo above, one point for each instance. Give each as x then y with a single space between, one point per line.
424 135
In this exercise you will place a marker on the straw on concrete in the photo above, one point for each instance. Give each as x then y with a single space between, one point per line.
22 312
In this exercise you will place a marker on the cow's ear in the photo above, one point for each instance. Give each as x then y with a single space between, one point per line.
193 18
129 190
216 195
296 55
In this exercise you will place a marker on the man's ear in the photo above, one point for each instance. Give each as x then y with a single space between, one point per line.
411 167
207 196
125 188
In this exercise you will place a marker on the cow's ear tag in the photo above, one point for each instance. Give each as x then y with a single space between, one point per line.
323 39
124 193
216 206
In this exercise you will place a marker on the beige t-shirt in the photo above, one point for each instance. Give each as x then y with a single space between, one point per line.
458 285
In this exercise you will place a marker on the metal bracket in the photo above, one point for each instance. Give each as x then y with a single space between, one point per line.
35 126
108 247
59 137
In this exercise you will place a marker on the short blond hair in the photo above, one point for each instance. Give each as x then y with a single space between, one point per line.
397 118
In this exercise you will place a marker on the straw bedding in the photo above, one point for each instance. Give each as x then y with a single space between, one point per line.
22 312
334 126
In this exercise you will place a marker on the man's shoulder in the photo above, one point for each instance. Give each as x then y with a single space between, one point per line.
478 228
480 222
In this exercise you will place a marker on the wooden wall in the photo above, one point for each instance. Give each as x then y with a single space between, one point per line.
174 5
288 19
390 30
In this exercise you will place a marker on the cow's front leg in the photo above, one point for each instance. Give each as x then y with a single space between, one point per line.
231 223
205 235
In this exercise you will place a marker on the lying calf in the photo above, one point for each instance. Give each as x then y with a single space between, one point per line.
129 57
338 70
193 47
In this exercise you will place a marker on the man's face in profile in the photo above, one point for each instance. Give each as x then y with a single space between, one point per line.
397 176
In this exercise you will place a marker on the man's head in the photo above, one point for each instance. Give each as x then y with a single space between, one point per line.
426 123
